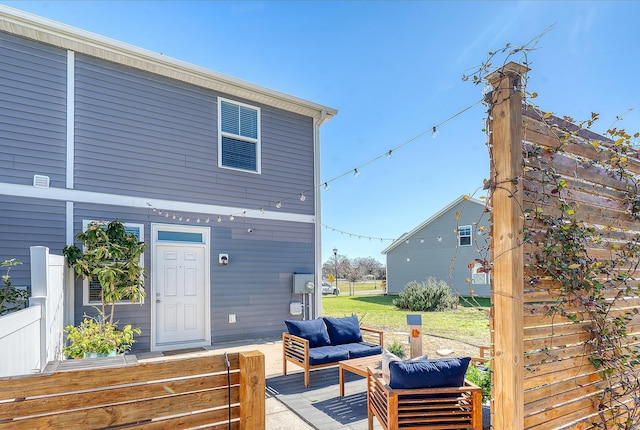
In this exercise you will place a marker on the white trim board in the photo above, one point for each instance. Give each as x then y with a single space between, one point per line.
78 196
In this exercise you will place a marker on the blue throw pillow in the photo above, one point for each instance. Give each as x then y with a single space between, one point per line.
343 330
434 373
312 330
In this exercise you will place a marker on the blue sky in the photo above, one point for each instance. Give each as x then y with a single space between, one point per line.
393 70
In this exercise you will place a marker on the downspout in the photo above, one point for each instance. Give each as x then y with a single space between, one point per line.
317 302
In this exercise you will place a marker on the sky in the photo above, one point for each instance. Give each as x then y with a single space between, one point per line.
393 70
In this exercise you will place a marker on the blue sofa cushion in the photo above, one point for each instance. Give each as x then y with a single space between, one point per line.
433 373
312 330
343 330
361 349
327 354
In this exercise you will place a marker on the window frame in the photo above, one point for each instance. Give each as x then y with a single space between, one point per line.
85 282
256 141
470 235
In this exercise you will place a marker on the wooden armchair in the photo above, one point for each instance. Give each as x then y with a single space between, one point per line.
424 408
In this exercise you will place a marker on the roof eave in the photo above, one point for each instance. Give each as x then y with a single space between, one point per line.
54 33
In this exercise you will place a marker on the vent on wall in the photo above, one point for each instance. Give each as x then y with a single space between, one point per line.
40 181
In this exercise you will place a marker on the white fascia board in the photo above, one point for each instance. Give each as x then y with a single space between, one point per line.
429 220
64 36
68 195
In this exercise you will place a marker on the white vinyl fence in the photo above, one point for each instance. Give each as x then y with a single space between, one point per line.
34 336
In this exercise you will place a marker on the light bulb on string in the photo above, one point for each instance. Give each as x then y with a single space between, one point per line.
188 219
356 173
390 154
207 220
219 219
166 215
174 216
231 217
434 134
198 219
159 212
326 186
422 240
180 219
302 197
279 205
262 210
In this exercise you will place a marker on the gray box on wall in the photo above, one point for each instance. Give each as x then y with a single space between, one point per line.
303 283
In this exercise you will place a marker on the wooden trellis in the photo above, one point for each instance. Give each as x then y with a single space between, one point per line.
543 377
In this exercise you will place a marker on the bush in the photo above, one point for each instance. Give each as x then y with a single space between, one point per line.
482 379
396 348
11 299
426 296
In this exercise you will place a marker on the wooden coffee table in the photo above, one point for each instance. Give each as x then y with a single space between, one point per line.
359 367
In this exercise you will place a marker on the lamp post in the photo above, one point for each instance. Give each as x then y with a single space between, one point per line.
335 262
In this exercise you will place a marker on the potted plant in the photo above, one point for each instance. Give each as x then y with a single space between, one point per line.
95 337
111 255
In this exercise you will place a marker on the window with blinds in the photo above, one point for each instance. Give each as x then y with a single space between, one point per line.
239 136
464 235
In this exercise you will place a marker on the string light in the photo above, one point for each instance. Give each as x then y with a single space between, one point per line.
167 215
188 219
356 172
198 220
422 240
207 220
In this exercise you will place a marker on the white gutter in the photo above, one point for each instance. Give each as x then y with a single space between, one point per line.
317 311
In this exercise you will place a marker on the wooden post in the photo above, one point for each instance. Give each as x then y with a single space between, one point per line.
507 252
415 335
252 391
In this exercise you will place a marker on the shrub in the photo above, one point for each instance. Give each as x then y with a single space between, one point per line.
426 296
482 379
11 299
396 348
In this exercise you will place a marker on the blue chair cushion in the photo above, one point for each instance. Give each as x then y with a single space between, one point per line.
361 349
312 330
343 330
430 373
327 354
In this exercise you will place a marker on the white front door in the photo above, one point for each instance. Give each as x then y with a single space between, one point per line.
180 298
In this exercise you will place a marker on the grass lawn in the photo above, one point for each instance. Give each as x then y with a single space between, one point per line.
467 324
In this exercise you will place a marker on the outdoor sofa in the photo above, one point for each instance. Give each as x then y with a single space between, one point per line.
424 394
323 342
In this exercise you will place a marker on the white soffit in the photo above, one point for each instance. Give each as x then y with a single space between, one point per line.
34 27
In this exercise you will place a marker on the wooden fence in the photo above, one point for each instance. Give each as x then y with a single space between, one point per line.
224 392
543 375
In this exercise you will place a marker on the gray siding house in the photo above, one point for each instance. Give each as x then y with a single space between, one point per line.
200 165
445 247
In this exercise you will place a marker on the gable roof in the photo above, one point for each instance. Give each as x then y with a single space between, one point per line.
429 220
19 23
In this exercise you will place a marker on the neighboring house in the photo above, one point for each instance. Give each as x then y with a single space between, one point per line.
445 247
207 169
